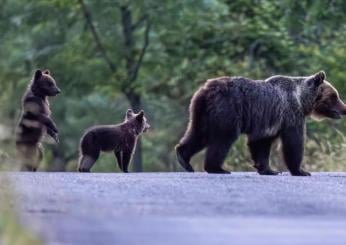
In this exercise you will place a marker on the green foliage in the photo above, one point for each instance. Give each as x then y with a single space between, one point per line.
189 42
11 229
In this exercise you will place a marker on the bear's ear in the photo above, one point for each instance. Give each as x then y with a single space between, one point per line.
321 75
38 74
47 72
140 115
129 113
317 79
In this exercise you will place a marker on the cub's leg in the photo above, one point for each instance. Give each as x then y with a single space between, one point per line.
119 157
189 146
260 151
39 156
217 149
123 158
293 150
86 162
89 152
48 122
53 134
126 158
30 156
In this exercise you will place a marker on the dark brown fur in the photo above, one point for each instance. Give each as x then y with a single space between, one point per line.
223 108
35 120
120 138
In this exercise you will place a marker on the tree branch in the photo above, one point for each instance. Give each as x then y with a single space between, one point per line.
139 22
89 21
142 53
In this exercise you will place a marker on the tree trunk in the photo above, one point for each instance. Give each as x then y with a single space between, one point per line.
137 157
136 104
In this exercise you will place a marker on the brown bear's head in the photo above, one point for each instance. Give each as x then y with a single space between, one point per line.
139 120
328 103
43 84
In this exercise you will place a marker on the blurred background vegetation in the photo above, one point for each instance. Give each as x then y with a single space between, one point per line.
110 55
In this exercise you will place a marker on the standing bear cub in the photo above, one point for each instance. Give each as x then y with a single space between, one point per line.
120 138
35 120
226 107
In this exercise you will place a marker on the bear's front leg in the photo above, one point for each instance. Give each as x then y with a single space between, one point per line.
127 154
217 150
119 157
293 149
260 151
53 134
48 122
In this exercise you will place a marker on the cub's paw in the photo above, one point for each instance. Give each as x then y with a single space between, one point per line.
55 129
83 170
56 138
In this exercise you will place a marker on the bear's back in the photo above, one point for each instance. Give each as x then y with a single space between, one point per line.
232 86
251 105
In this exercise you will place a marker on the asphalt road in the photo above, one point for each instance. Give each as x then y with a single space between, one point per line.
183 208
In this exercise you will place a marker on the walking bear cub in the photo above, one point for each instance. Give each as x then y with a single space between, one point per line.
225 107
120 138
35 120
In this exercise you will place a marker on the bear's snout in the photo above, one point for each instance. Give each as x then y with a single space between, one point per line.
146 128
335 114
338 110
56 91
342 108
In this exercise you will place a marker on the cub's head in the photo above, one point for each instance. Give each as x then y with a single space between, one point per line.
43 84
139 120
327 103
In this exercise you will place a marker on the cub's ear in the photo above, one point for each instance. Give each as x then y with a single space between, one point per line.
38 74
47 72
321 75
140 115
317 79
129 113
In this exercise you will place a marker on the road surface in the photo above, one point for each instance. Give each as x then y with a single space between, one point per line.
183 208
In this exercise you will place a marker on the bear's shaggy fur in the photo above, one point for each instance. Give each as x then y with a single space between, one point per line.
120 138
35 120
225 107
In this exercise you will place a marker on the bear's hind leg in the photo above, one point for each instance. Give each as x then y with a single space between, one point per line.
85 163
29 156
188 147
217 150
260 151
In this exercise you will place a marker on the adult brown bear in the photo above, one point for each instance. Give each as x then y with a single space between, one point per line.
225 107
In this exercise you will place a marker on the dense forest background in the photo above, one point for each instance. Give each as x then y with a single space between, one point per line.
110 55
